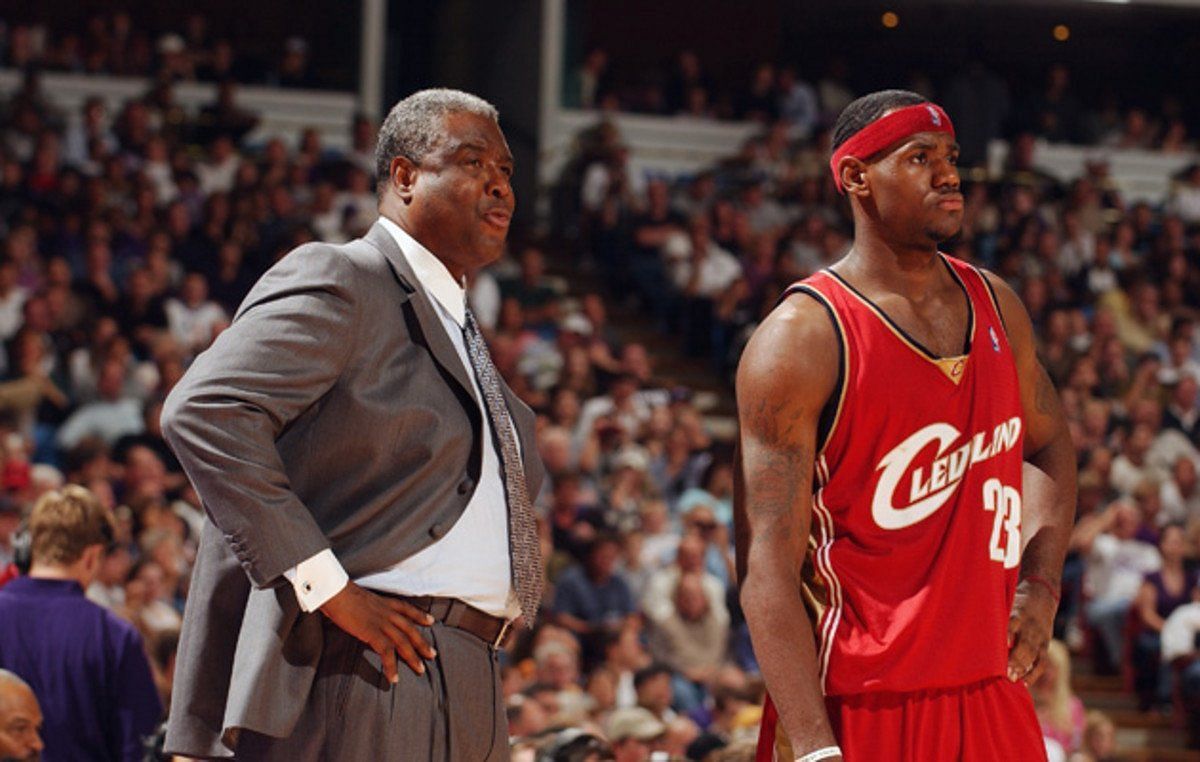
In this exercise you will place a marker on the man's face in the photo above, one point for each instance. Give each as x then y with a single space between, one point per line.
20 721
915 189
461 195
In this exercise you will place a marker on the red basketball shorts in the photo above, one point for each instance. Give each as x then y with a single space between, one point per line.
989 721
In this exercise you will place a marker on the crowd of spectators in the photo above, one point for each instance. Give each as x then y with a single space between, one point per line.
129 240
117 43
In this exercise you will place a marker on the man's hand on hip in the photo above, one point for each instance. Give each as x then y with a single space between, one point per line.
1030 626
387 625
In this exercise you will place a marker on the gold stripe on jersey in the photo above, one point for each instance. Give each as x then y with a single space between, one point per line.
841 331
815 591
954 367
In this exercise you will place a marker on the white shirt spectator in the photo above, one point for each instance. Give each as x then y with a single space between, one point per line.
194 327
718 269
1179 632
218 177
658 601
1175 505
597 180
108 419
11 316
1185 202
1115 567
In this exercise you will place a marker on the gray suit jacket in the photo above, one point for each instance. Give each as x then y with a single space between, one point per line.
333 413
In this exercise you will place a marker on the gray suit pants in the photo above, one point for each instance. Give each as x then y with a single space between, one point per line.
452 713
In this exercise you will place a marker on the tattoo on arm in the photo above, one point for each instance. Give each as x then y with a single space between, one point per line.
778 473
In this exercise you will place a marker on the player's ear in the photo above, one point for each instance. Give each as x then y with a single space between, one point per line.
853 174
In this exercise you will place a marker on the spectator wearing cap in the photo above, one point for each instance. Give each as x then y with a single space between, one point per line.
627 487
20 719
87 666
701 520
634 733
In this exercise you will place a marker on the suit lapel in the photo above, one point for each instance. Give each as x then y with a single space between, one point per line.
447 356
439 343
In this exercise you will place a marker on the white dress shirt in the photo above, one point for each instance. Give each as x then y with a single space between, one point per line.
471 561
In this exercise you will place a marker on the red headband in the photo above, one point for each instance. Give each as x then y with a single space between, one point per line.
888 130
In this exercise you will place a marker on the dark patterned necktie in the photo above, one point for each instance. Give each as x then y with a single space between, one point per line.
524 548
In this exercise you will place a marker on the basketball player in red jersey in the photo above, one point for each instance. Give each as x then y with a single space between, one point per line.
897 587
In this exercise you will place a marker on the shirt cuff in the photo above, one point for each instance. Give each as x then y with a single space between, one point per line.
317 579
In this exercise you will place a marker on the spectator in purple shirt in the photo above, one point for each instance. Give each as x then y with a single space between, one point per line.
87 666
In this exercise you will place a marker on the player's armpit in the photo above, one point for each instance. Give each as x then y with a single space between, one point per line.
786 375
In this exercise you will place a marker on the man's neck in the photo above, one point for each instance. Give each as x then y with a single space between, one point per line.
57 572
872 263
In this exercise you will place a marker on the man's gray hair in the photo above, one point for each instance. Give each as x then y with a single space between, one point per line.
10 680
413 127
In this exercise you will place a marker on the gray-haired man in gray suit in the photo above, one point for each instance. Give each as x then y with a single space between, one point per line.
367 476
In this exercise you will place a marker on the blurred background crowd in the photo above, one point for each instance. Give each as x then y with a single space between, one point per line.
129 237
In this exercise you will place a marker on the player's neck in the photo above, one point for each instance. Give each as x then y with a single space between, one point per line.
873 263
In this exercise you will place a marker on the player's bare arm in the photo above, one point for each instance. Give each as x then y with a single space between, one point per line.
787 373
1049 504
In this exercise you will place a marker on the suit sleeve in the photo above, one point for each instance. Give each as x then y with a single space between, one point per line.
287 346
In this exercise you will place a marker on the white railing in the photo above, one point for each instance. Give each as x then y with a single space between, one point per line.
1139 175
670 146
680 146
282 112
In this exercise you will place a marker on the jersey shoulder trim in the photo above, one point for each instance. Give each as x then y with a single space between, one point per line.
831 412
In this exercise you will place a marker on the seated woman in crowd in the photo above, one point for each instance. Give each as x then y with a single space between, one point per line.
1161 592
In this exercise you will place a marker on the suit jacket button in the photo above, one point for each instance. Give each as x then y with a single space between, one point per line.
465 486
439 529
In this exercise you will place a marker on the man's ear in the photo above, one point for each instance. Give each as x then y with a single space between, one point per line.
402 175
93 557
853 174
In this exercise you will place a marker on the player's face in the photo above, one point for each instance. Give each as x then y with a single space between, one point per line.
915 188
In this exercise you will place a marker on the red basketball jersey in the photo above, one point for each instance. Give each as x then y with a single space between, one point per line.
916 529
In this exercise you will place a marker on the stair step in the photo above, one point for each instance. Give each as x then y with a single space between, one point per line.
1157 754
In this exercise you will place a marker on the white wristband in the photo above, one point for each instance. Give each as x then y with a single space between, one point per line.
826 753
